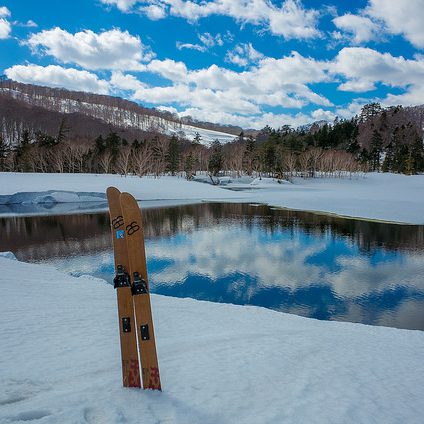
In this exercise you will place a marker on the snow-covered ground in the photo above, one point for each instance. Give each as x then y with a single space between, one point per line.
60 361
387 197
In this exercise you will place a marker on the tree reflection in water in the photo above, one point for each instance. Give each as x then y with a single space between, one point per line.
312 265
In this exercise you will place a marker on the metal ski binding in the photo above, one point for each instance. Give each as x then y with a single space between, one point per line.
122 279
139 285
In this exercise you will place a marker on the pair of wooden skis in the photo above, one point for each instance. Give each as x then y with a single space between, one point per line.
132 288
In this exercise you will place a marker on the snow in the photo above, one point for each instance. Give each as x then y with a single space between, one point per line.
386 197
60 361
122 117
207 136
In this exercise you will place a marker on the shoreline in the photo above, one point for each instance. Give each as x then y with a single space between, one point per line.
384 198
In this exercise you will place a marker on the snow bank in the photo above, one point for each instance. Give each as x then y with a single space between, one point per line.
60 361
386 197
59 186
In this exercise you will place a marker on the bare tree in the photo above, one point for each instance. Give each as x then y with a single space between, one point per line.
105 161
123 161
141 160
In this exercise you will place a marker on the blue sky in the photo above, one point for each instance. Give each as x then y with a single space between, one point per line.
243 62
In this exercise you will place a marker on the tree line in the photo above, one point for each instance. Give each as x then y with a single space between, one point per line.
332 150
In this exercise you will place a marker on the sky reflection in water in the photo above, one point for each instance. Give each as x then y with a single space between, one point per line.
316 266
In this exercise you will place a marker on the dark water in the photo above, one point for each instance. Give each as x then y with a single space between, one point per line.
307 264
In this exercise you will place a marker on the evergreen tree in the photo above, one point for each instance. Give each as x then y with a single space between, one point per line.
216 159
63 130
100 144
188 166
389 158
249 155
23 152
417 152
113 142
3 152
173 155
268 157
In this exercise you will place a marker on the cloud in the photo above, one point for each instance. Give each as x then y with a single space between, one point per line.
360 28
291 20
28 24
112 49
401 18
237 97
154 12
123 5
5 29
207 41
5 26
364 67
57 76
4 12
244 55
189 46
381 17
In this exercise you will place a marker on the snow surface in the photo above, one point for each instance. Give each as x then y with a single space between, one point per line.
206 136
387 197
60 361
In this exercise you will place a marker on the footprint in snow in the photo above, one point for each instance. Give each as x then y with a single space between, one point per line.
29 416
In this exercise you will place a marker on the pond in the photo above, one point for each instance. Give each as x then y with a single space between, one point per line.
307 264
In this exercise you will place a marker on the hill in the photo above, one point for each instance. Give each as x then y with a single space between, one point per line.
41 108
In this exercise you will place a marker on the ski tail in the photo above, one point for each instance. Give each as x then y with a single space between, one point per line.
127 327
134 237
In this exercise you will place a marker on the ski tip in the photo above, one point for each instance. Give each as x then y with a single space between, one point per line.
112 191
127 196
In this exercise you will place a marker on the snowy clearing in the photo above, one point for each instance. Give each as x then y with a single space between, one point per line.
386 197
60 361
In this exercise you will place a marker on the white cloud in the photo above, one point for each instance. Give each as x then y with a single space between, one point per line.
414 95
174 71
123 5
323 115
244 55
207 41
291 20
57 76
154 12
400 17
361 28
364 67
381 17
5 26
252 121
28 24
5 29
4 12
189 46
125 82
112 49
227 96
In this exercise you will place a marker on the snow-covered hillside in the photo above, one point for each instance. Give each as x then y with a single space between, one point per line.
114 111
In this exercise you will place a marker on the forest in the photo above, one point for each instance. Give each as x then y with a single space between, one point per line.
35 139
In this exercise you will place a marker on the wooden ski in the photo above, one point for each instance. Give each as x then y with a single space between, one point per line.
134 237
127 327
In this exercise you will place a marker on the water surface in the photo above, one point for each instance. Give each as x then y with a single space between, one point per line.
312 265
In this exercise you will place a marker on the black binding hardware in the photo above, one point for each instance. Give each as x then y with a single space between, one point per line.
122 279
126 324
144 332
139 285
